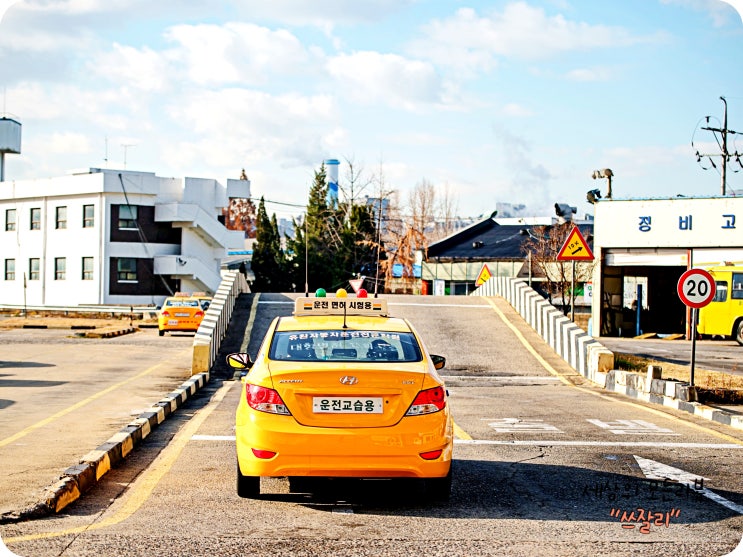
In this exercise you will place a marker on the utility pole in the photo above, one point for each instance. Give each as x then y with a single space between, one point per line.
724 132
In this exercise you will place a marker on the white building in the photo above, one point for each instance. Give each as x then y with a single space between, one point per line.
643 246
112 237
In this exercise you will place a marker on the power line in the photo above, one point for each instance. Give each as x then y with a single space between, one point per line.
722 143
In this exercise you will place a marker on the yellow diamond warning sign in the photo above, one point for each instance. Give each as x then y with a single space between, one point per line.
484 276
575 248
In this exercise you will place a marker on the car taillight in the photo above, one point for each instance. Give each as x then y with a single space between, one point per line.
431 455
265 400
165 314
199 314
428 402
262 453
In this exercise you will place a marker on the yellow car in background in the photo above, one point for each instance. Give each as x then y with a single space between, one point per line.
342 390
203 299
180 313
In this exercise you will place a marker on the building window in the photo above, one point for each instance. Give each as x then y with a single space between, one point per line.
36 218
60 268
87 268
126 269
33 268
10 219
10 269
127 216
61 218
88 216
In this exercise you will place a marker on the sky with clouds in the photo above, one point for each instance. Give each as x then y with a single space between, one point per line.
514 101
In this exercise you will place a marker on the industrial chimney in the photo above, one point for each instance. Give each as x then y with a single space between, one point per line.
332 177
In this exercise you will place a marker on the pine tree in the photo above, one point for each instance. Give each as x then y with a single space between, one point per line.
268 258
337 240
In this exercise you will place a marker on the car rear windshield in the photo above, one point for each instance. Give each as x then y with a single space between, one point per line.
344 346
182 303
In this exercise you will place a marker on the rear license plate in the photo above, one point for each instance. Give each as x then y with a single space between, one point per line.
182 314
346 405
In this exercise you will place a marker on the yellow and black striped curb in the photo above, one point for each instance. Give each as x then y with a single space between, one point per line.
89 331
78 479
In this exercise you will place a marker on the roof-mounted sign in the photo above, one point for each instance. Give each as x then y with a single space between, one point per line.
575 248
340 306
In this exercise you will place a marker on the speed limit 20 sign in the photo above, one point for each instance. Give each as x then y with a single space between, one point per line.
696 288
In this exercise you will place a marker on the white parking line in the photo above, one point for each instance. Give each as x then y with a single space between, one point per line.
504 378
556 443
633 427
212 438
517 425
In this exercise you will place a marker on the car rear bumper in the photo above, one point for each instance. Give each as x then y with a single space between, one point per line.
185 326
390 452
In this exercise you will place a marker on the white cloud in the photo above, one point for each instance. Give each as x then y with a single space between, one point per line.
140 68
256 125
589 74
719 11
66 105
70 6
516 110
324 14
237 52
472 43
371 77
64 143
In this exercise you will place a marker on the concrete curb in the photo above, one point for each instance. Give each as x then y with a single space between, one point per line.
107 333
671 394
78 479
89 331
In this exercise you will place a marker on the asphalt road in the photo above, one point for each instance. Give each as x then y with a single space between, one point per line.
545 464
712 355
61 396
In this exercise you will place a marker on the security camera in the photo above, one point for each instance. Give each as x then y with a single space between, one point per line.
593 196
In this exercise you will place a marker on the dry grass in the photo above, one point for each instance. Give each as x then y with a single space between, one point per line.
702 378
62 322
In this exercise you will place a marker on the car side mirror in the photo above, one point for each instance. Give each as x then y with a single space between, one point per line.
239 360
438 361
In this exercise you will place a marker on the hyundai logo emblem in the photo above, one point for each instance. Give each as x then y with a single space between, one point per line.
349 380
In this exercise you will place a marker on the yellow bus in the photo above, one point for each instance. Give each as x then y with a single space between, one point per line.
723 316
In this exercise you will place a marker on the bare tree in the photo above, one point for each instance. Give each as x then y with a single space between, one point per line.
448 209
356 181
241 215
423 206
543 245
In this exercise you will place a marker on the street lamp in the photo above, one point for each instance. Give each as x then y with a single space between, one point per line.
604 173
379 242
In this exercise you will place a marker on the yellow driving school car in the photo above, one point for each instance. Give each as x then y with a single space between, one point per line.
342 390
180 313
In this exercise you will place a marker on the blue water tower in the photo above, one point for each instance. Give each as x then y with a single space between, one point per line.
331 166
10 141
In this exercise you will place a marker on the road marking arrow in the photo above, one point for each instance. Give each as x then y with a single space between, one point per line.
657 471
